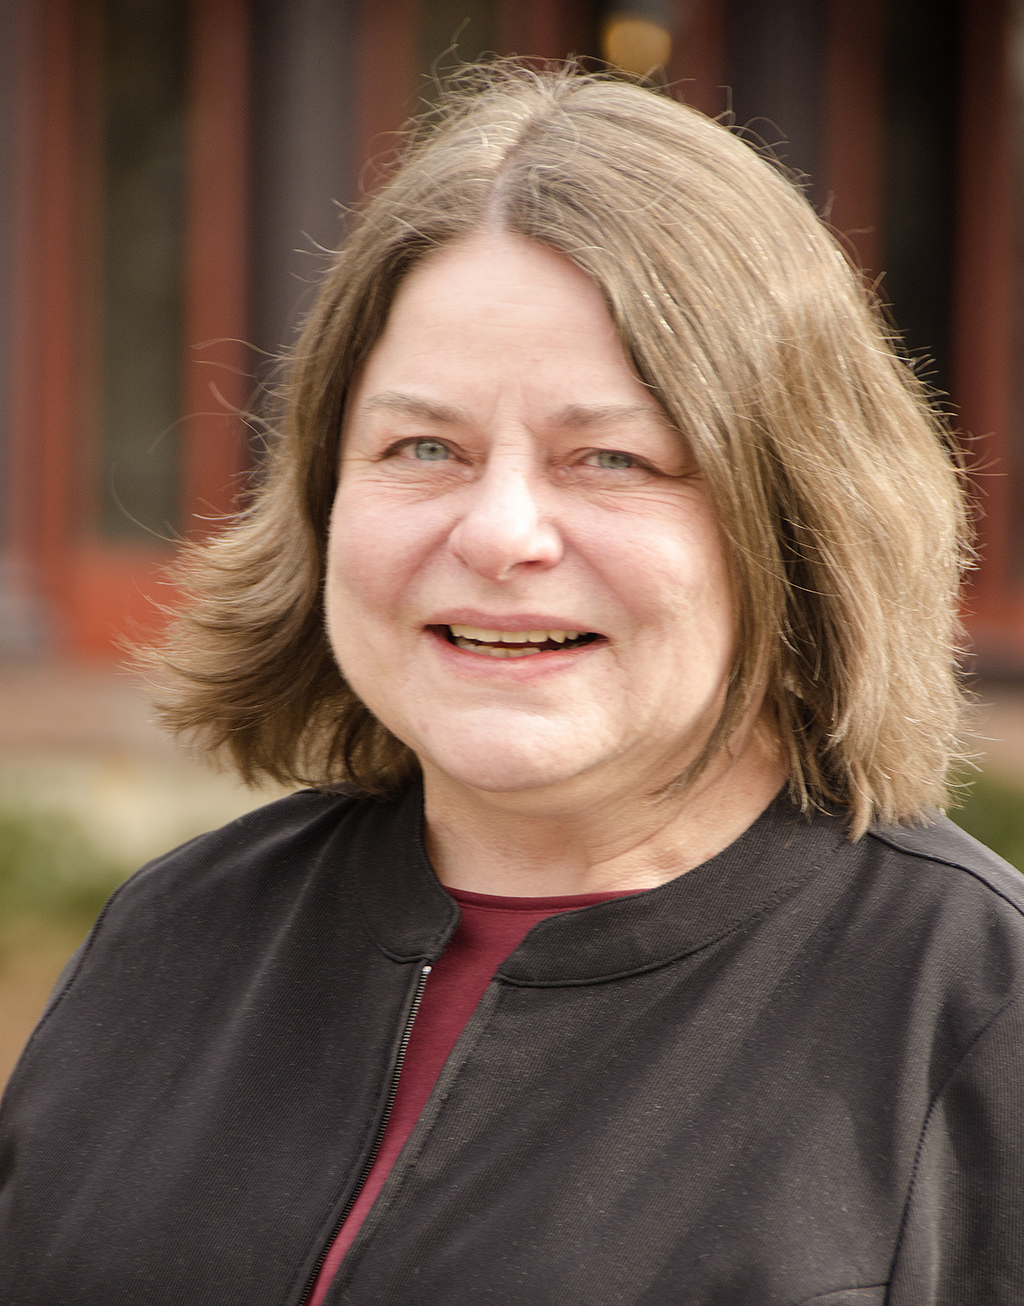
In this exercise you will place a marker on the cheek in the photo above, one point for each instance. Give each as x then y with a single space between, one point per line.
354 564
713 606
373 553
356 588
672 572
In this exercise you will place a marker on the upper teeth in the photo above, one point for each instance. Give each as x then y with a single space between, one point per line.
512 636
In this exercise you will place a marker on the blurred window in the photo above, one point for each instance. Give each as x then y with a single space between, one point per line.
452 32
1016 445
921 71
144 95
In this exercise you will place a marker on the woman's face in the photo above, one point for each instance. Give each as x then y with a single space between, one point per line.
525 579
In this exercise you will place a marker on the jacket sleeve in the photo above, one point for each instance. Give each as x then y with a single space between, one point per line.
963 1233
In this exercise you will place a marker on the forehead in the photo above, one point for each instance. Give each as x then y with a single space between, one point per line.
522 272
498 319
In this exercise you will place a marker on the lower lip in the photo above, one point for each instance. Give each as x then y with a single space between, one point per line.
482 664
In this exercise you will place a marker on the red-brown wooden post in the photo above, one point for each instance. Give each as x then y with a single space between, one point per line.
217 371
852 144
983 337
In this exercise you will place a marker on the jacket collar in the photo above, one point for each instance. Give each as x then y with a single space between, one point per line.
411 917
407 910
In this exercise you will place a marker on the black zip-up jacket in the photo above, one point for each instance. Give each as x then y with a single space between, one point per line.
793 1075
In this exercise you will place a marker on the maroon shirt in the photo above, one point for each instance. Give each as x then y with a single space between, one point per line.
490 929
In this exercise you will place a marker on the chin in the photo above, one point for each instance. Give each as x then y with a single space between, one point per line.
498 767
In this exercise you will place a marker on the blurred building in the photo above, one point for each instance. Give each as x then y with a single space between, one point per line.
171 172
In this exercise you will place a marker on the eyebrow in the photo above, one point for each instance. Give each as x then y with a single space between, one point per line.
572 417
583 415
394 401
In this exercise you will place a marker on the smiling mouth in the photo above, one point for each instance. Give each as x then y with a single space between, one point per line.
516 643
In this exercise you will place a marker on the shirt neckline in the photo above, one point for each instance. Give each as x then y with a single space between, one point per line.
411 916
552 902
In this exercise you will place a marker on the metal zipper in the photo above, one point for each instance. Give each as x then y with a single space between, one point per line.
403 1045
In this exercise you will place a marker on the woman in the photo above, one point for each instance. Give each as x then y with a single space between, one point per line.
617 954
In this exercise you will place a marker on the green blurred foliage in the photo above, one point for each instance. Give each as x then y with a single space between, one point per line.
993 811
50 870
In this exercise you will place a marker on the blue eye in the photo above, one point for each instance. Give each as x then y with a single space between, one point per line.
612 460
430 451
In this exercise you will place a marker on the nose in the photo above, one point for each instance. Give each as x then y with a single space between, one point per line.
503 527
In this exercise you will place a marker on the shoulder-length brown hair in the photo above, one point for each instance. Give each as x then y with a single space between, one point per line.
841 506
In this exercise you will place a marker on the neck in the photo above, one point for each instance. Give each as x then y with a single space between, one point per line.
570 841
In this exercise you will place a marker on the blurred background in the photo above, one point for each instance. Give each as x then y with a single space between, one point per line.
171 175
